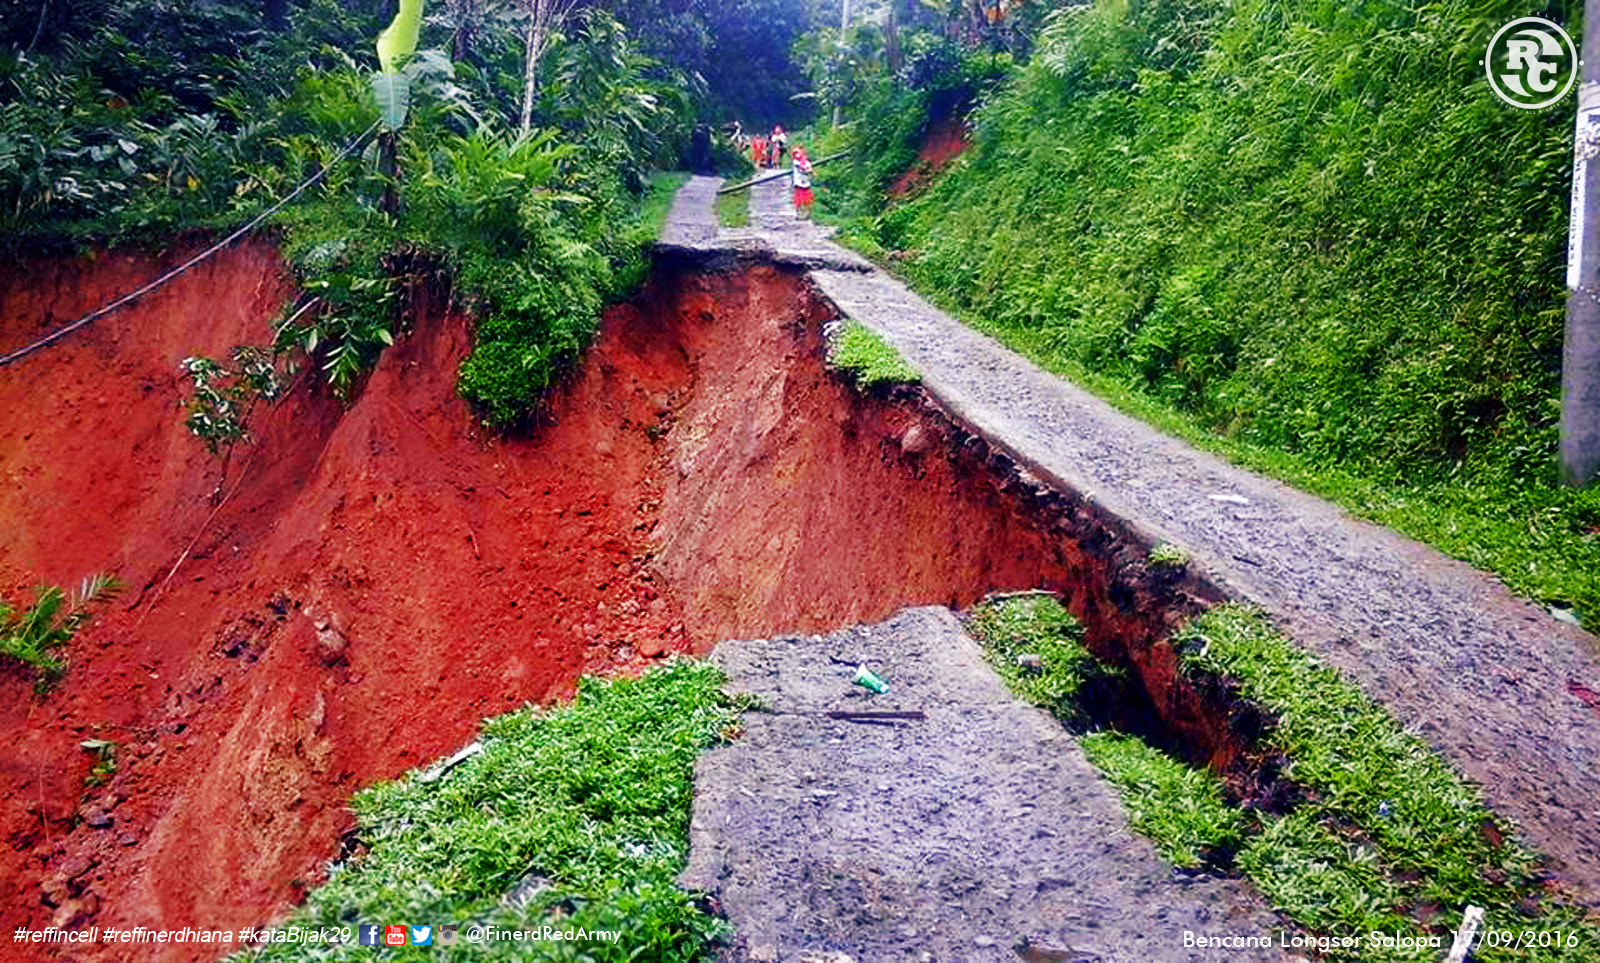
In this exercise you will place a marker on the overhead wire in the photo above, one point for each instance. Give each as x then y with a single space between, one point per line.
134 295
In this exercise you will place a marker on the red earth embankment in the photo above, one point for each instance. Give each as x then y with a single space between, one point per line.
462 575
944 140
792 502
379 577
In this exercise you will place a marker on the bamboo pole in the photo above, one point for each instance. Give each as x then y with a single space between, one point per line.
777 174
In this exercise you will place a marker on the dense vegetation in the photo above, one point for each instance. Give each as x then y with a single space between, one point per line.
1305 233
514 179
576 818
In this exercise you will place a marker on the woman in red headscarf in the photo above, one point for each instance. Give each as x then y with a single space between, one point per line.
800 174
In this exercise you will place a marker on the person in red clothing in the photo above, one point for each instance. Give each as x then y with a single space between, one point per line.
800 174
758 151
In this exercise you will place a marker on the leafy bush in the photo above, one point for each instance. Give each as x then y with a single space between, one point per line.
892 116
219 409
178 117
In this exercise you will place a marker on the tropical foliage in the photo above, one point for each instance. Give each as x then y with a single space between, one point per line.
33 637
129 119
126 120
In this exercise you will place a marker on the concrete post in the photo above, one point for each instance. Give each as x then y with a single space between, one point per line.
1580 363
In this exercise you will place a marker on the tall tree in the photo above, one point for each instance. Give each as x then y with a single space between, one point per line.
891 38
465 15
543 16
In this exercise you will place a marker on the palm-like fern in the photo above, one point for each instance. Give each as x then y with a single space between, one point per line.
32 637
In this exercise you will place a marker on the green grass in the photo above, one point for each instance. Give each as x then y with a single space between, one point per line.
733 210
1324 882
1200 212
1035 625
1386 824
657 202
1387 837
868 358
591 798
1165 556
1180 808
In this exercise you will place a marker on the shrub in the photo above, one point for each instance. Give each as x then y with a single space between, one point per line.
33 637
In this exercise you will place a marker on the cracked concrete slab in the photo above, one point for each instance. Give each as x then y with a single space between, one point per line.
957 836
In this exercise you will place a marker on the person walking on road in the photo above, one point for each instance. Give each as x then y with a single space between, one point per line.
780 143
800 175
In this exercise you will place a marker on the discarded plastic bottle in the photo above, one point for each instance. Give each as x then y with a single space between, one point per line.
866 679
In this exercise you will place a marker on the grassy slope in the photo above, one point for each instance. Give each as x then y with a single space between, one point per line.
1303 234
582 809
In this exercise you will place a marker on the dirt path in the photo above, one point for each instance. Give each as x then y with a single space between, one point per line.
1493 681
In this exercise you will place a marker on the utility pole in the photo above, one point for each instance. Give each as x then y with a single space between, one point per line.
844 40
1580 362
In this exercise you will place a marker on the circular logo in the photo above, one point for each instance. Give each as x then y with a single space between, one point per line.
1531 63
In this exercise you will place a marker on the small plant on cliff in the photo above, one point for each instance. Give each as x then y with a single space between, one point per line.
1167 556
33 636
224 395
350 327
105 761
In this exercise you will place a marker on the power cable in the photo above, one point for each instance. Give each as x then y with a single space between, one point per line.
93 316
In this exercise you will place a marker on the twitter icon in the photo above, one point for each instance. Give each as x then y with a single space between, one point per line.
421 936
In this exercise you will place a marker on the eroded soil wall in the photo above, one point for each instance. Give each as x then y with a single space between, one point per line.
379 577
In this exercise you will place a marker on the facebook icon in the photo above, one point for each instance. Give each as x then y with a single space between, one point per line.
371 934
